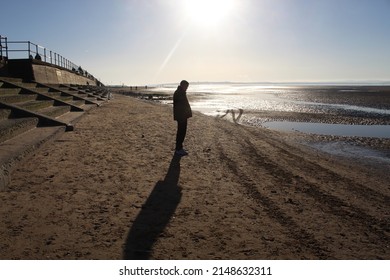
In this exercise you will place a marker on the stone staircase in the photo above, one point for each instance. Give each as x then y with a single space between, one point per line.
31 113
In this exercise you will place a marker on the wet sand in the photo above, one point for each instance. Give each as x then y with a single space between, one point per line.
112 189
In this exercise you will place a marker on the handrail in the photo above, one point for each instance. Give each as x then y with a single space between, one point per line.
40 53
35 51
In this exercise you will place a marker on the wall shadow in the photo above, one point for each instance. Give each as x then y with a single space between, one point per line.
155 215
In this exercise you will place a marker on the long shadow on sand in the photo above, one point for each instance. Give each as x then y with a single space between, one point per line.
155 215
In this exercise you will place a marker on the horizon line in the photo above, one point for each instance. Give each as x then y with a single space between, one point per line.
345 82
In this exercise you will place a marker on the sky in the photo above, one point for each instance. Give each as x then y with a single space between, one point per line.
146 42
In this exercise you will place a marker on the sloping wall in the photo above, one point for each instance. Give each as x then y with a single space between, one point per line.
51 75
42 72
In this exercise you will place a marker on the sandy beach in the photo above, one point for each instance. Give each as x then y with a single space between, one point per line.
112 189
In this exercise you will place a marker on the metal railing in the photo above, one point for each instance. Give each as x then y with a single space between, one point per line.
34 51
29 50
3 46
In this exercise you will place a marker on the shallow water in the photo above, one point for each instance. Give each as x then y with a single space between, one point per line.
347 107
346 150
212 99
379 131
362 101
217 98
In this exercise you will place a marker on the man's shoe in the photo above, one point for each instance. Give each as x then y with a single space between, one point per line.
181 153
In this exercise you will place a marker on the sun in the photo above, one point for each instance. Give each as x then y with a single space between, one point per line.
208 12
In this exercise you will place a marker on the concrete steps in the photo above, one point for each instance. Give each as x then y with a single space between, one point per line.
31 113
47 103
10 128
7 96
20 146
89 97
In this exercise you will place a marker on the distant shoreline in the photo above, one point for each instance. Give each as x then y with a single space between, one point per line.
334 83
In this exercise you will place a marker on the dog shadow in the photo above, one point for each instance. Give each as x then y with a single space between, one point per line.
155 215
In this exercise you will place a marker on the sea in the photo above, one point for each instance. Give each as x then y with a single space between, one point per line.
247 100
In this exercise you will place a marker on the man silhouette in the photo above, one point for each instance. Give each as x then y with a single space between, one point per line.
181 112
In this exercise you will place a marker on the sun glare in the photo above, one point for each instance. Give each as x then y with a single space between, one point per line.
208 12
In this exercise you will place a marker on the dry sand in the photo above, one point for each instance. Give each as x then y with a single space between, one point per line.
111 189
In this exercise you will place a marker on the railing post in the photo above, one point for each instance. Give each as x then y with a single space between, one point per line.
1 45
29 49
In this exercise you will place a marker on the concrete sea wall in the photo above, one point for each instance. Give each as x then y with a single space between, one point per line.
46 73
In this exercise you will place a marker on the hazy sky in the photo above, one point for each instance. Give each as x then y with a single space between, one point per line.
158 41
